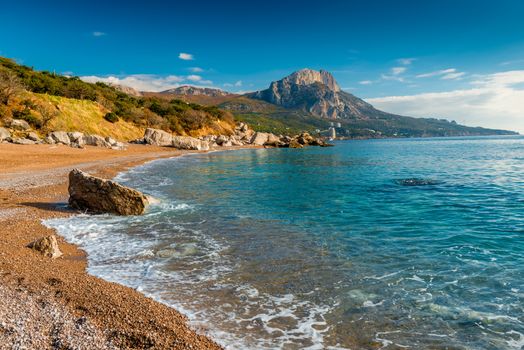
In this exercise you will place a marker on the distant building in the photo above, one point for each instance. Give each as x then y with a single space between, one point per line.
332 133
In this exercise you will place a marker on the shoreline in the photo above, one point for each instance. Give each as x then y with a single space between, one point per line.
33 187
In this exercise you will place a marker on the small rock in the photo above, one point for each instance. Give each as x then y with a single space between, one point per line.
48 246
33 137
4 134
22 141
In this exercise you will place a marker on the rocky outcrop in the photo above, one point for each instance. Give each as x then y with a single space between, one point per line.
79 140
95 195
23 141
191 143
157 137
47 246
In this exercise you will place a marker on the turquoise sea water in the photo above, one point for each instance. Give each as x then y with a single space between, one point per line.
330 247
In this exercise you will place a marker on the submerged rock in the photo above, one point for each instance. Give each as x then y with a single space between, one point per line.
417 182
47 246
95 195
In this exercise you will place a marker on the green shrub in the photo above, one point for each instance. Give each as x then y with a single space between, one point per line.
25 114
111 117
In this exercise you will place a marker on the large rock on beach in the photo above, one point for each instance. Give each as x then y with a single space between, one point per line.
157 137
259 138
60 137
96 195
47 246
187 142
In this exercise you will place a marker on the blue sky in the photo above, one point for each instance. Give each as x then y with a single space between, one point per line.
393 53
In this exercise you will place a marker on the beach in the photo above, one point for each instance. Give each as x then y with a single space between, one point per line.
55 303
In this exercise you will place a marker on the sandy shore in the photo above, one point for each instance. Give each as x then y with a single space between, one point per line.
55 304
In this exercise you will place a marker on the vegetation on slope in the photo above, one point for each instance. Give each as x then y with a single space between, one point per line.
23 91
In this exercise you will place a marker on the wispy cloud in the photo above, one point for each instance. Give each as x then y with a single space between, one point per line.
235 84
365 82
196 69
398 70
494 100
98 34
445 74
507 63
186 56
405 61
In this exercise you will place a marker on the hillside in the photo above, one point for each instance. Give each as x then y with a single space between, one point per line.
50 101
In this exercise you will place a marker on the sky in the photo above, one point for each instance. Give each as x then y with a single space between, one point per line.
461 60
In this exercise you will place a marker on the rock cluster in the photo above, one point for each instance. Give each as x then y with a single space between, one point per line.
96 195
242 136
24 136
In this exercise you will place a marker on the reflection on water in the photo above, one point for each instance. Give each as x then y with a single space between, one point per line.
325 248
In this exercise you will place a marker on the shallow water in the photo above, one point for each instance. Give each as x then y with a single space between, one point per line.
409 243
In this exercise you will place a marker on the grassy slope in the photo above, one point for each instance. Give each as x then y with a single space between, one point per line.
88 117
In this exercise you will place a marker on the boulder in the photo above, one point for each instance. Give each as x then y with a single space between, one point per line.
77 139
22 141
96 140
47 246
221 139
33 137
95 195
259 138
157 137
272 140
60 137
187 142
4 134
295 144
19 124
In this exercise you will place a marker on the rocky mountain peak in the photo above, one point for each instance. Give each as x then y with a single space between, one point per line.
190 90
308 76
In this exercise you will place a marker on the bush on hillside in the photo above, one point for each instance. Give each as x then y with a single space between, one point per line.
111 117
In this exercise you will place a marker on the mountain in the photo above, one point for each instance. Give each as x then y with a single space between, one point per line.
317 92
316 95
188 90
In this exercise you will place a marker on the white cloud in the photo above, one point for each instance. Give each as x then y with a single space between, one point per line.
194 77
186 56
453 76
238 83
406 61
196 69
398 70
392 77
97 34
494 101
140 82
442 73
365 82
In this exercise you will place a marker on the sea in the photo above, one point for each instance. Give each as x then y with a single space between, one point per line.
371 244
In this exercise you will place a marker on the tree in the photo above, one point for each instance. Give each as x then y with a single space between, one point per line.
47 112
10 85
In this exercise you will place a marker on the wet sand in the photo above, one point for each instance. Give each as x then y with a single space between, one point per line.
55 304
